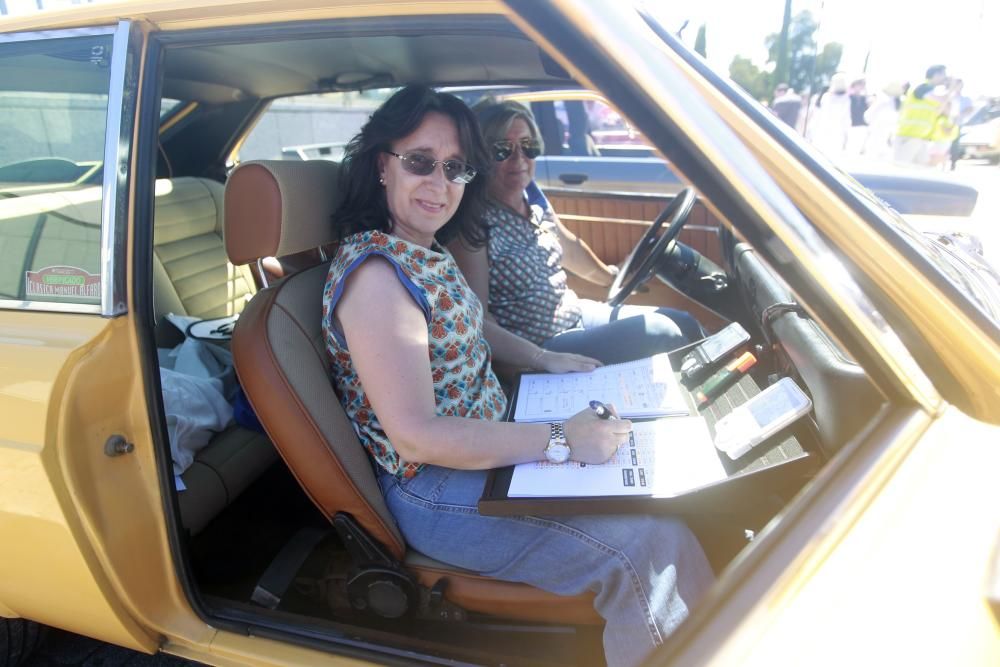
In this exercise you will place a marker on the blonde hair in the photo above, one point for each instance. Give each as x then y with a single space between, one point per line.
495 119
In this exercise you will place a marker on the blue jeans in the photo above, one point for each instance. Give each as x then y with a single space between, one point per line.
646 571
614 335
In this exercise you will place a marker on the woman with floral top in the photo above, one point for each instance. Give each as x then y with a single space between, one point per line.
404 333
519 273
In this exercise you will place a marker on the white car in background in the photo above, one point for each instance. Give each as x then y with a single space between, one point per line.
981 134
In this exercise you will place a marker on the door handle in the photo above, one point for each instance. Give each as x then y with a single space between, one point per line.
117 445
572 179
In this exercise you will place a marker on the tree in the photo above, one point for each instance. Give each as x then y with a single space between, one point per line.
806 67
755 81
699 42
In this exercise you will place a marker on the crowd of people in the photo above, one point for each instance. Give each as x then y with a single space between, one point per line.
913 125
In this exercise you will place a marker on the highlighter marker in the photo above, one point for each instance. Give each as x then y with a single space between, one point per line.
721 380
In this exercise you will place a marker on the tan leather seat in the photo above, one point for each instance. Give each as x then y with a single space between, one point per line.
192 276
278 208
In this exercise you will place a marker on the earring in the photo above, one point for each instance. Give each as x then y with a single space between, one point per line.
381 181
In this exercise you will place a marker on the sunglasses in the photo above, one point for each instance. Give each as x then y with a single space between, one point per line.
419 164
530 148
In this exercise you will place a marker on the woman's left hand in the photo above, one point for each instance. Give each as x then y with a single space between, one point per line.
564 362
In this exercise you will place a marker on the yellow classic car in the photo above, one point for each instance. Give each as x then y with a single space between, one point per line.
144 204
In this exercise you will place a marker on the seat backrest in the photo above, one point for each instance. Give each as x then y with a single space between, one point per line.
276 208
191 273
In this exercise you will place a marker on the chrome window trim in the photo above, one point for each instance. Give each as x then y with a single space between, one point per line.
51 306
64 33
125 58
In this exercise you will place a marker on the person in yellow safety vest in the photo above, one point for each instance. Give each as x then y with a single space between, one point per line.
918 117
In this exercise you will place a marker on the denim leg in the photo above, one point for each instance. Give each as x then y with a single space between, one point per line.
614 335
647 571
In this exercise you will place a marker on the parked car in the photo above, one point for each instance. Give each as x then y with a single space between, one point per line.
980 138
878 546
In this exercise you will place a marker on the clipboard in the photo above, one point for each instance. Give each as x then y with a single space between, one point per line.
779 462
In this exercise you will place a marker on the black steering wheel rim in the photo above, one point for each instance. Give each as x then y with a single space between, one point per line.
641 261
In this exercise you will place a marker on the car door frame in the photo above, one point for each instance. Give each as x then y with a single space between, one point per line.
95 551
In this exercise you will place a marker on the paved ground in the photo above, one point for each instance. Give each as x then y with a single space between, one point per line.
60 649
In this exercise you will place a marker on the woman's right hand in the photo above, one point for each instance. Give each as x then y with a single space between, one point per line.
592 439
564 362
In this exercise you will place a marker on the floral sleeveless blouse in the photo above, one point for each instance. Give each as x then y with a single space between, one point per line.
464 383
528 292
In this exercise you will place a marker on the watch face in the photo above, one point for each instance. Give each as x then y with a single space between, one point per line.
557 453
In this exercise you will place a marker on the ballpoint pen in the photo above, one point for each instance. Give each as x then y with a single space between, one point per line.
603 411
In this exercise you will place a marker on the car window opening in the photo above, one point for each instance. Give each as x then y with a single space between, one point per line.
257 541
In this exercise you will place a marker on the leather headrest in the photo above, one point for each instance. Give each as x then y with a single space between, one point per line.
275 208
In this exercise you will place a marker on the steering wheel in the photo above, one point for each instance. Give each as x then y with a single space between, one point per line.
640 263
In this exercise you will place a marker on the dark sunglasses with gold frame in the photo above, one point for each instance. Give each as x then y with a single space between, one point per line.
530 148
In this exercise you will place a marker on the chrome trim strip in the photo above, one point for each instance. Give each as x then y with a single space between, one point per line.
261 272
54 34
557 191
50 306
125 57
627 221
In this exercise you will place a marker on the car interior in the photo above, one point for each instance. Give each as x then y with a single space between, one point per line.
280 529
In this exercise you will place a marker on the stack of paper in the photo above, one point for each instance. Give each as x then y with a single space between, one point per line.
641 388
661 458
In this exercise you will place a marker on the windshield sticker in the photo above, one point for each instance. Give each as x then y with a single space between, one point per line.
62 281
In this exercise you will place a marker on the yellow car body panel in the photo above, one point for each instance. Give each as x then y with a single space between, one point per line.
60 579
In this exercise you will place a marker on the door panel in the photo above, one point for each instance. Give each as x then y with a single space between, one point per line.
51 571
82 536
612 224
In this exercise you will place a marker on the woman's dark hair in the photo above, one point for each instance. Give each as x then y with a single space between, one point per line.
364 205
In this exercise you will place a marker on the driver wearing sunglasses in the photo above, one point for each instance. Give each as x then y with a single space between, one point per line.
534 320
505 148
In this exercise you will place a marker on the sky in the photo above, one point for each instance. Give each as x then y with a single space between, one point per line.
904 37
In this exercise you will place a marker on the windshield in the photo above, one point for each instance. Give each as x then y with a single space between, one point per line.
981 294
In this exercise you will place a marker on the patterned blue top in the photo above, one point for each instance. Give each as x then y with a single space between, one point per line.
528 292
464 383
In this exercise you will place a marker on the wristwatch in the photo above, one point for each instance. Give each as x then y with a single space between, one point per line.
557 451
